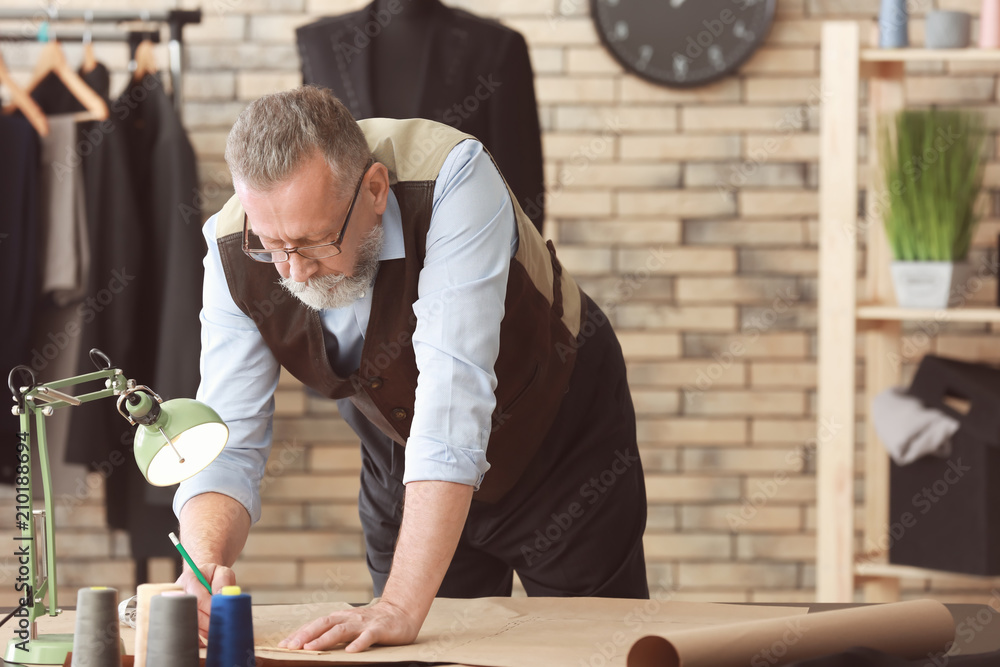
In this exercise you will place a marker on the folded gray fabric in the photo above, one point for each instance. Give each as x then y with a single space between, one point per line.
908 429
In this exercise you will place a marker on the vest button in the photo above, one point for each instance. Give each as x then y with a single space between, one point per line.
375 382
399 414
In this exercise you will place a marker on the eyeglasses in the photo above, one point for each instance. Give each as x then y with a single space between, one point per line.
321 251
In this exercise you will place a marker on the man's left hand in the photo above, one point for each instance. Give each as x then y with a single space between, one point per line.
379 623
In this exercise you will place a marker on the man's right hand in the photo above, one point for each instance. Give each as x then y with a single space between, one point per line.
217 576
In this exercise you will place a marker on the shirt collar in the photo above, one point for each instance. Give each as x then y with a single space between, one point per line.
392 227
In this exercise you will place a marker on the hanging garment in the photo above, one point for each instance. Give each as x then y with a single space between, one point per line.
65 246
166 327
476 77
18 242
908 429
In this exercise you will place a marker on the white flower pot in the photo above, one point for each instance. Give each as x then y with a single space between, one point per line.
929 284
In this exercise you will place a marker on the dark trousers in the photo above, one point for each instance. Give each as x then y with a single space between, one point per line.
573 524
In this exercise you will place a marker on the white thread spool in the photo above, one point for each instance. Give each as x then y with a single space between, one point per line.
144 594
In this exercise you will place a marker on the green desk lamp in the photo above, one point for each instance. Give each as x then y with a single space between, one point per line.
174 440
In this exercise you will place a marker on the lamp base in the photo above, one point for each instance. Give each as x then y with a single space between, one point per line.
43 650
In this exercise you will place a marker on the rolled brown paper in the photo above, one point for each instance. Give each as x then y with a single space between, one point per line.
145 593
908 630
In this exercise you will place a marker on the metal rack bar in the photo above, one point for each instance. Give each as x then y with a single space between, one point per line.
175 18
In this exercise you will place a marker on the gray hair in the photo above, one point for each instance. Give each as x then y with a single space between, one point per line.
275 133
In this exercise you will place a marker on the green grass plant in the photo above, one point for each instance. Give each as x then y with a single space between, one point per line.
932 161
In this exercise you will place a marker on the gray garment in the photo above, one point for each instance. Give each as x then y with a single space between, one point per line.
65 260
908 429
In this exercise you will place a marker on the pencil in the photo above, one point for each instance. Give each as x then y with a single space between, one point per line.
184 553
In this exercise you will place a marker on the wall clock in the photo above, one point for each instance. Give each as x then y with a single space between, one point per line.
682 43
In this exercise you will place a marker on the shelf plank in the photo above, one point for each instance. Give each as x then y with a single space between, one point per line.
891 571
929 55
897 314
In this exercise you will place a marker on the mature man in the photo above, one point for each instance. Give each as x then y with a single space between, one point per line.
427 304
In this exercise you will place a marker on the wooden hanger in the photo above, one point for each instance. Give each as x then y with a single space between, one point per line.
52 60
89 63
23 101
145 60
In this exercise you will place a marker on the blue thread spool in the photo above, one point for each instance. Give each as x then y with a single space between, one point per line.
893 18
230 630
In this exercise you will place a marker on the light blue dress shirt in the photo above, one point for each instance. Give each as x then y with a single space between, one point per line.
461 291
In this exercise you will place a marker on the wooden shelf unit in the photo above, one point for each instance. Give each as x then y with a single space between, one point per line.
843 63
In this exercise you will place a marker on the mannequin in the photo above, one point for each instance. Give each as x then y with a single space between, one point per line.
423 59
400 55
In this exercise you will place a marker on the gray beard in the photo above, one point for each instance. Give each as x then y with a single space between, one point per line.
340 291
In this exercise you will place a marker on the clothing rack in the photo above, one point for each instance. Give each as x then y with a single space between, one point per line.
175 18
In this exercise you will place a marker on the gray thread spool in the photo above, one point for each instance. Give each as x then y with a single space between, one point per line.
947 30
96 639
173 631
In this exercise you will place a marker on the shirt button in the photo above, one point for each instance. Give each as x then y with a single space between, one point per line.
399 414
375 382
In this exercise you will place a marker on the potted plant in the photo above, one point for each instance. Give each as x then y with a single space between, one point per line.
933 174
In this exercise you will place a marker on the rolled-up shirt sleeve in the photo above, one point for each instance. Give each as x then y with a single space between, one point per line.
238 378
460 304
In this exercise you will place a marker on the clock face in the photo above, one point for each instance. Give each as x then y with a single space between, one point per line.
682 43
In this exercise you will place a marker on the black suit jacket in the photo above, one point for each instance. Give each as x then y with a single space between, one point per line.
478 79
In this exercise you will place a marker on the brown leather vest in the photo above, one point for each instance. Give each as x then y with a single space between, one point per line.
543 314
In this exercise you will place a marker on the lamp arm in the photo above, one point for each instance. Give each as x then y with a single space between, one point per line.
38 401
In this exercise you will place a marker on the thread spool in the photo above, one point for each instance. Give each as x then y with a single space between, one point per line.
893 29
173 617
96 638
144 594
230 630
989 25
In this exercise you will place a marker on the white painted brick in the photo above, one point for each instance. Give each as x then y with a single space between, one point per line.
655 403
673 546
555 31
216 27
682 203
251 85
672 261
717 575
639 91
773 204
681 488
643 345
621 231
743 232
598 174
782 61
241 56
949 89
692 431
661 316
578 204
685 373
574 90
783 89
547 60
584 261
279 28
734 175
591 60
740 117
209 86
780 345
781 146
681 147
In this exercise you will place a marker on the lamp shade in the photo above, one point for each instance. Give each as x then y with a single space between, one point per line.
195 431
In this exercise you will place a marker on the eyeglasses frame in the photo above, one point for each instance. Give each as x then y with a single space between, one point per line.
288 251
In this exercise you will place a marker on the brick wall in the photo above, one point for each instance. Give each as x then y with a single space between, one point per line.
690 216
